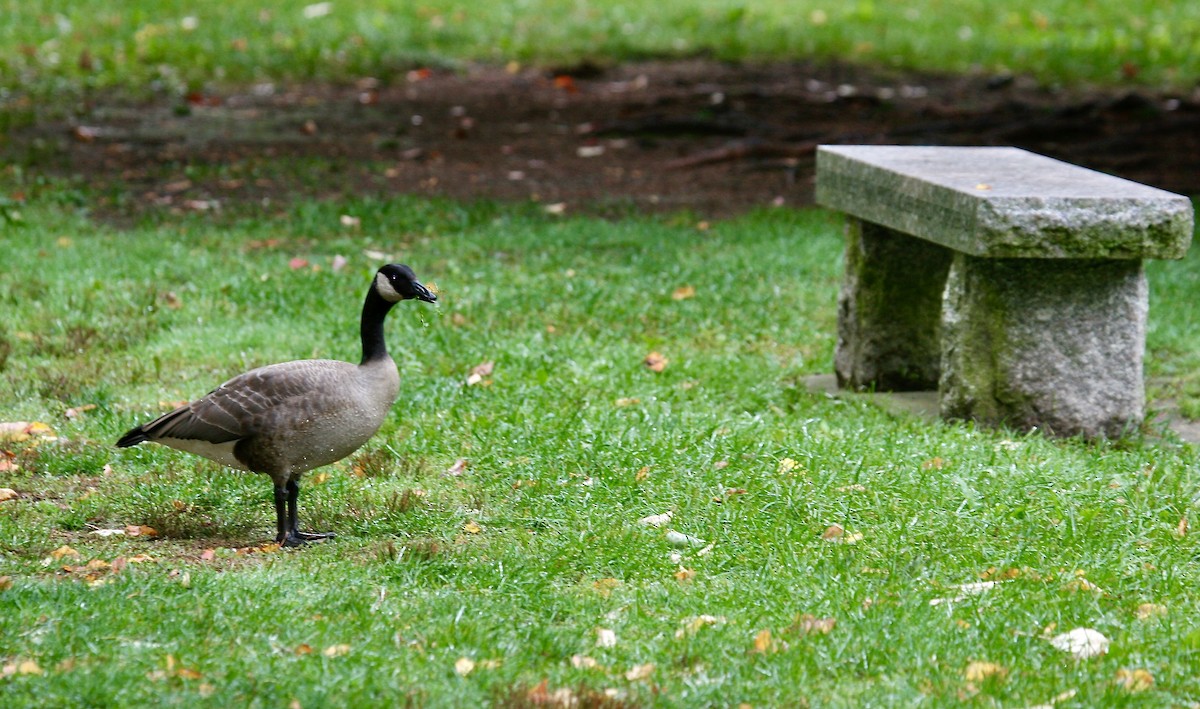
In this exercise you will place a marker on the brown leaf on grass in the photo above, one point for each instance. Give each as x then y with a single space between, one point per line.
20 431
118 564
979 671
140 530
683 293
63 551
1181 529
208 555
542 696
655 362
764 643
336 650
642 473
640 672
1150 610
7 493
1134 681
480 372
684 575
304 649
809 624
297 263
77 411
606 585
6 583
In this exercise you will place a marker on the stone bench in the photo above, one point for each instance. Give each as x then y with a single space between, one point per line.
1010 282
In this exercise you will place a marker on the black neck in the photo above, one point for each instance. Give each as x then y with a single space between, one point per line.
375 309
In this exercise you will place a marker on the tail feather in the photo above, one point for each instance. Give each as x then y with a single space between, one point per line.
132 437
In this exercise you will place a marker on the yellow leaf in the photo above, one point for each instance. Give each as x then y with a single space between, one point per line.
63 551
336 650
1181 529
684 575
140 559
693 625
627 401
978 671
472 527
763 643
1134 681
642 473
833 532
605 585
28 667
304 649
1149 610
786 466
187 673
640 672
936 463
683 293
464 666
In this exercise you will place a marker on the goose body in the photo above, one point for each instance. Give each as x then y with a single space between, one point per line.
285 419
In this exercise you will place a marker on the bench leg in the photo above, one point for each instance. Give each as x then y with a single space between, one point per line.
889 310
1053 344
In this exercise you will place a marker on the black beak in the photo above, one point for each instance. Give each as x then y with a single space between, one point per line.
424 294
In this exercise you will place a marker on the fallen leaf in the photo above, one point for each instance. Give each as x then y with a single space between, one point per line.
460 466
1181 529
936 463
479 372
27 667
606 585
809 624
464 666
140 559
786 466
655 362
583 662
140 530
683 575
320 478
297 263
1082 643
852 488
76 411
19 431
564 82
558 208
208 555
350 222
683 293
656 520
336 650
605 638
640 672
627 401
8 465
1150 610
833 533
304 649
472 527
692 626
763 643
7 493
63 551
6 583
965 590
979 671
642 473
1134 681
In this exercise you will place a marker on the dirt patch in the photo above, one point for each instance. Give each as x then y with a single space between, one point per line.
702 136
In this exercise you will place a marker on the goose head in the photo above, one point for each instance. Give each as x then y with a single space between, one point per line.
396 282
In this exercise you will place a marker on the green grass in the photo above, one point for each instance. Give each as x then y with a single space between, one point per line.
562 465
57 44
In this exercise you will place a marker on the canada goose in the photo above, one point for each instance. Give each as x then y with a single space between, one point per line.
284 419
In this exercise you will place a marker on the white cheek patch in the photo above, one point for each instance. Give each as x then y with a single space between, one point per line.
384 287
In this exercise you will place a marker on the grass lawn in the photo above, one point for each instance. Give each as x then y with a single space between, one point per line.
500 585
158 44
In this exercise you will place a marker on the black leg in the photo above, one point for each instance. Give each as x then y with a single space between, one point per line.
281 521
294 536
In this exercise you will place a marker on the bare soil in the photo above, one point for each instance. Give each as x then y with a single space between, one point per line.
701 136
